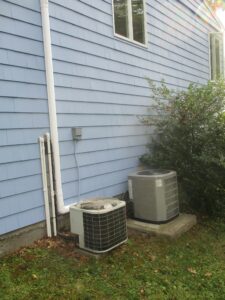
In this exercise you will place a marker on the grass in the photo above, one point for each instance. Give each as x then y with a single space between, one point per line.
192 267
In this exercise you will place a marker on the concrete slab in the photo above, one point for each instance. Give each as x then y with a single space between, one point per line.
170 230
90 254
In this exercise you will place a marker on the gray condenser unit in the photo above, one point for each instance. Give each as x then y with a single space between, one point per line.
99 223
154 194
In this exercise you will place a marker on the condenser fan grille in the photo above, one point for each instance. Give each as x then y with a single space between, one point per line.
103 231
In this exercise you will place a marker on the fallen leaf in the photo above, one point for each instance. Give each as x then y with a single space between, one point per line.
208 274
142 291
34 276
192 271
152 257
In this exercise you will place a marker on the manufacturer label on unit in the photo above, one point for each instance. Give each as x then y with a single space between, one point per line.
158 183
130 189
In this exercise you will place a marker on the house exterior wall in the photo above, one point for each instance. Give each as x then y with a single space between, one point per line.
100 86
23 113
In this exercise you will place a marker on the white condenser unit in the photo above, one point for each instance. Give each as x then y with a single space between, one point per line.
154 194
99 223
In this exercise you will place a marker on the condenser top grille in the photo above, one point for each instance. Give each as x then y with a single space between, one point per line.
153 172
103 231
99 205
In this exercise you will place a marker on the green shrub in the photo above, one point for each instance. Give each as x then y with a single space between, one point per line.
189 137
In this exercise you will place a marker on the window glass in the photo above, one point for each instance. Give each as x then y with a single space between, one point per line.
217 54
211 57
121 17
129 19
138 21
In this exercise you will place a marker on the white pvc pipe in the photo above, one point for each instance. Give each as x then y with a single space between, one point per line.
51 182
45 186
61 208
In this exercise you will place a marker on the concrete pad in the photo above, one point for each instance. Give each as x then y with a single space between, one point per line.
170 230
86 253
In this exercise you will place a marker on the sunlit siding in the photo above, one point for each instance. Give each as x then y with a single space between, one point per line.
23 113
199 8
101 86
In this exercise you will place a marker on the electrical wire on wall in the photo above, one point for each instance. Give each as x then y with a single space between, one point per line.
78 167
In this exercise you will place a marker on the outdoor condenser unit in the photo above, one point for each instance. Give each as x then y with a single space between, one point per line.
99 223
154 194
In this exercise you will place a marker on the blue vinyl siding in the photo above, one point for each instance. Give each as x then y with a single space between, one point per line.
101 87
23 114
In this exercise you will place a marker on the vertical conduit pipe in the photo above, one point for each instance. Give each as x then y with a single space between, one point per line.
45 186
47 136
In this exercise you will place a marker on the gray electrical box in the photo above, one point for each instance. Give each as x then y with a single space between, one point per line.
77 133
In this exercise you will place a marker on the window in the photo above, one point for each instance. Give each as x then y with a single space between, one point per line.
216 55
129 20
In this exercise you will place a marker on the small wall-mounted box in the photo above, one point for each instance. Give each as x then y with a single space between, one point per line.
76 133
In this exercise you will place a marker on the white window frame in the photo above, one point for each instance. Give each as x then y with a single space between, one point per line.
222 56
130 25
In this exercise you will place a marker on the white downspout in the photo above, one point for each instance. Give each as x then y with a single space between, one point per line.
61 208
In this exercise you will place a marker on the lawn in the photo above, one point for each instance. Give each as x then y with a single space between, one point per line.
192 267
